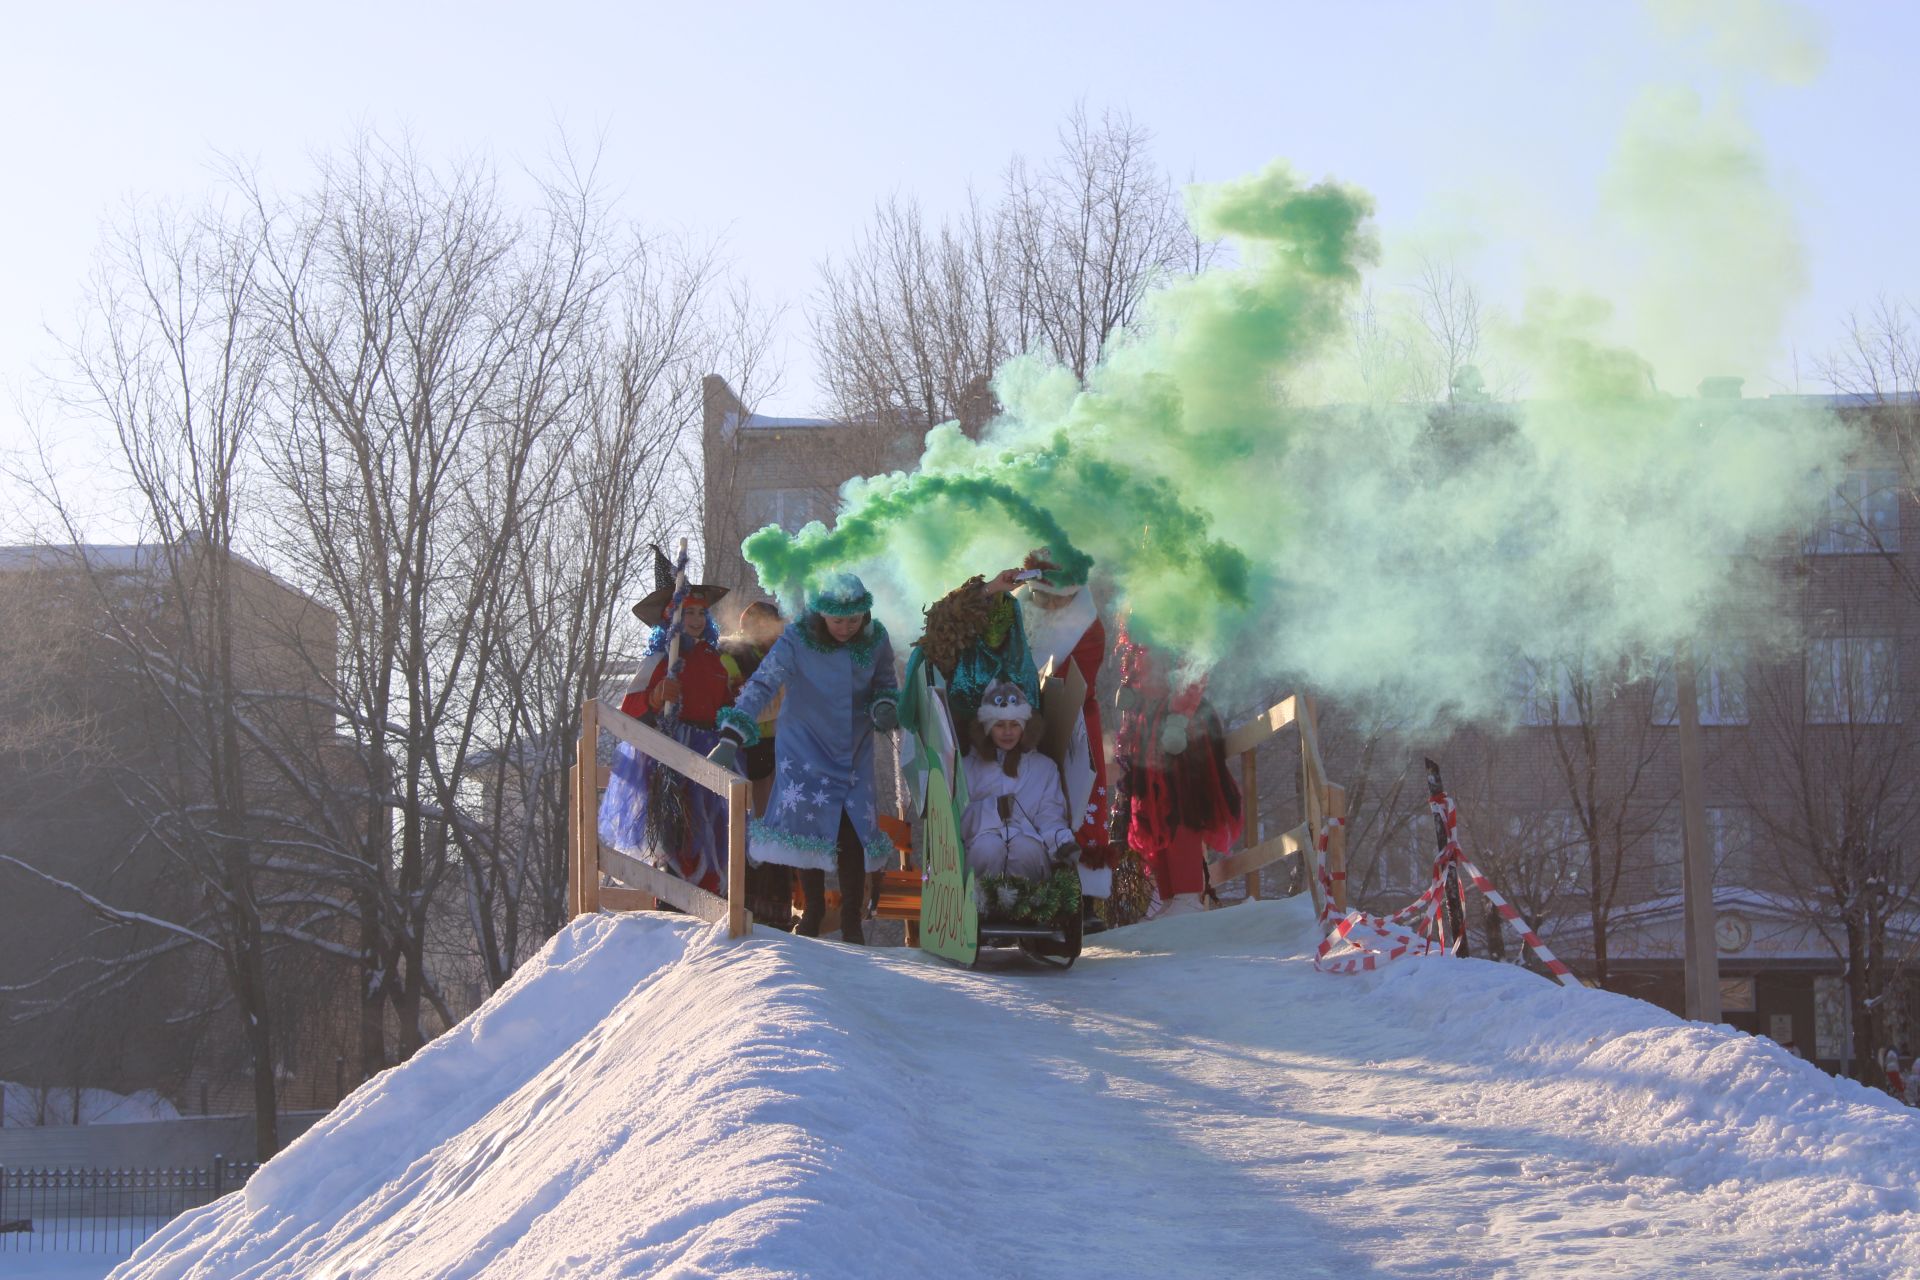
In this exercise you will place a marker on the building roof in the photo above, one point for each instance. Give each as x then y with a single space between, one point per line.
19 559
96 557
768 422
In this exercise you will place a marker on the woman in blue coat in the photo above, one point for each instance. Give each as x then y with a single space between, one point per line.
836 665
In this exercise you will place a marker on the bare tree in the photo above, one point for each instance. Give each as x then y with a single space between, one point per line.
1831 782
1448 308
913 323
1605 749
641 399
172 368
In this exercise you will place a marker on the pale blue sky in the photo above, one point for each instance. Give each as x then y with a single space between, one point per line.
777 126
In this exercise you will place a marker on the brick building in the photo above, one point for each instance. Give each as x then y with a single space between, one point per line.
115 621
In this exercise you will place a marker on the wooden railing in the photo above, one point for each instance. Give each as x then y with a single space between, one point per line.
641 885
1324 801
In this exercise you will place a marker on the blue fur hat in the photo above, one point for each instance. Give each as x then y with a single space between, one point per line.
840 595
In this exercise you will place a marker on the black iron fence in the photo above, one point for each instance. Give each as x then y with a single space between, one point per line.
105 1210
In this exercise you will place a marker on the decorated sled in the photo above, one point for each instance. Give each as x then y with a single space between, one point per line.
957 916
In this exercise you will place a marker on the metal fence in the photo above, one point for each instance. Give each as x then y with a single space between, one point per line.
104 1210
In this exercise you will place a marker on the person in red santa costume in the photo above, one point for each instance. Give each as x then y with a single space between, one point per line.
1170 750
1063 627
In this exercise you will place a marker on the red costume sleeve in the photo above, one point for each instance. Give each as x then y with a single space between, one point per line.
705 687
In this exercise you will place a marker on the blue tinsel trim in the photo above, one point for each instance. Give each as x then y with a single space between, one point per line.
660 635
741 723
860 648
813 852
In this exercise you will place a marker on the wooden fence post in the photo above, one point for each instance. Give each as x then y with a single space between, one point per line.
1336 805
739 796
1312 798
573 839
1250 814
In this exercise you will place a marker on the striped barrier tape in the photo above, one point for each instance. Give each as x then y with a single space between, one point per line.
1418 929
1554 965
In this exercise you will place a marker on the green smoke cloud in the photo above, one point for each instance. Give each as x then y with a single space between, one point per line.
1379 551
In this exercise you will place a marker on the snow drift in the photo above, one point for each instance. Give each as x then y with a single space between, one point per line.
1192 1099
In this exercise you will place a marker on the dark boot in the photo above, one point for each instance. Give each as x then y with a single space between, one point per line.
813 888
853 884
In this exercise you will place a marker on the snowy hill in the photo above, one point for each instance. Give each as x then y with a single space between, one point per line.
1192 1099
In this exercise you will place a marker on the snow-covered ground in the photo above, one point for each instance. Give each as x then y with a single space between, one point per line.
1193 1099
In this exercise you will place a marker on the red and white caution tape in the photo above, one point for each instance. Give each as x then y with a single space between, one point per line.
1555 966
1360 943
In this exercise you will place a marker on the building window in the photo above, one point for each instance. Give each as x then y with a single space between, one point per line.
1669 853
1851 680
788 508
1719 687
1408 863
1730 835
1862 515
1546 692
1730 840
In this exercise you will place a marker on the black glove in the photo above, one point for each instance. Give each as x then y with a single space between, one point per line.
886 716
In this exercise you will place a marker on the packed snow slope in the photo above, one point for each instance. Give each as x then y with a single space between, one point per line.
1192 1099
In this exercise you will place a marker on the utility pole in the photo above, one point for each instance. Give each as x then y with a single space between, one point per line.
1702 960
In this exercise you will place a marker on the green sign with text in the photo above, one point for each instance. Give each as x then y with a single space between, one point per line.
949 920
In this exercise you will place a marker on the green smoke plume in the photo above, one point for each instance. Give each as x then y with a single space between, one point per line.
1379 550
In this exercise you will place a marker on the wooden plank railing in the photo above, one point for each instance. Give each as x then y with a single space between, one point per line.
1323 801
640 885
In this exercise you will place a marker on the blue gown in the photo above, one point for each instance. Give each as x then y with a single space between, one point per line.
823 744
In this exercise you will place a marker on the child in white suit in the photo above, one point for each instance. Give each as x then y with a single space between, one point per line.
1016 817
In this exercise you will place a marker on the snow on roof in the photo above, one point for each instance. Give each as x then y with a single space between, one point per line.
1192 1099
766 422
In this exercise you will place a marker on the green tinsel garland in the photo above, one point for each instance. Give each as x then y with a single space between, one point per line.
1037 901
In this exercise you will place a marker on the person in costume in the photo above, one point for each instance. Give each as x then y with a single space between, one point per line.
769 884
836 665
1063 628
1181 799
974 637
759 626
1015 823
648 810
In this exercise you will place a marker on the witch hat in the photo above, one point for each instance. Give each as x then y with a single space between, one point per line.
653 609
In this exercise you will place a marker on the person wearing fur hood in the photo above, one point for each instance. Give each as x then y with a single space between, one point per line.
1015 823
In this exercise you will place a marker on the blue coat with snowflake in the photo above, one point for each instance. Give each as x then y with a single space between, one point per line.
823 743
